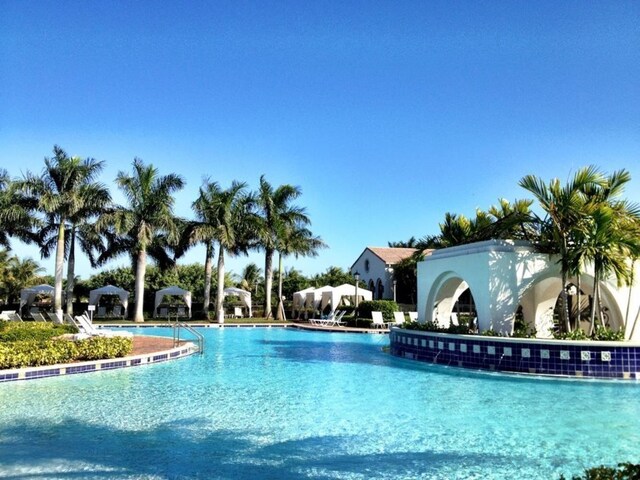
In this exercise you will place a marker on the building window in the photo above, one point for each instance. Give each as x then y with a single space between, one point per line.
366 265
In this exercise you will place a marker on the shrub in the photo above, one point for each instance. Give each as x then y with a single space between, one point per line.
575 335
625 471
607 334
387 307
37 331
28 353
98 348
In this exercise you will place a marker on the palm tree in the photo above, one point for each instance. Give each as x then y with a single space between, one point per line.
223 217
95 199
251 275
146 226
16 219
298 241
564 206
276 215
61 194
18 274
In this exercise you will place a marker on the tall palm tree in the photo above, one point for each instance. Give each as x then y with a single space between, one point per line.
294 240
94 199
223 218
61 193
146 226
19 274
276 214
563 205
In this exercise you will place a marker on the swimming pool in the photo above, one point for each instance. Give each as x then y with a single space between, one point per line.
289 404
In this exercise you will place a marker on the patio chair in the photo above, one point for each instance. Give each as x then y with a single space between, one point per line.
413 316
378 320
398 318
55 319
102 312
237 312
326 321
14 317
338 318
87 327
5 315
164 312
117 311
181 312
38 317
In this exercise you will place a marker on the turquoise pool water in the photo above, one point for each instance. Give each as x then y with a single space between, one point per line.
289 404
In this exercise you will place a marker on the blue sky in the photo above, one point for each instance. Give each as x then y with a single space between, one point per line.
386 114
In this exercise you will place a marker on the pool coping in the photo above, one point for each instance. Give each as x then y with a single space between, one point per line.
46 371
300 326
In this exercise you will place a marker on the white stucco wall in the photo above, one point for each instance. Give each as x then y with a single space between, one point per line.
503 274
376 271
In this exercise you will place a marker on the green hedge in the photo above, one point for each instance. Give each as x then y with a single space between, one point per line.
33 353
387 307
17 331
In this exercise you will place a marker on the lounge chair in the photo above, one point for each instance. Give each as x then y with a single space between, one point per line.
237 312
398 317
378 320
117 311
55 319
102 312
38 317
85 326
338 318
328 321
413 316
14 317
5 315
164 312
181 312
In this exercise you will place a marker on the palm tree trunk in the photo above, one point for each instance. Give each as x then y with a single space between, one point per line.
280 311
208 267
579 299
220 294
57 287
268 283
594 303
71 264
565 302
141 268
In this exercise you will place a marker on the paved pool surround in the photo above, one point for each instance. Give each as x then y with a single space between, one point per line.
565 358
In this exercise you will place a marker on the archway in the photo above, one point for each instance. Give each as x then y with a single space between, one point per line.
379 290
451 302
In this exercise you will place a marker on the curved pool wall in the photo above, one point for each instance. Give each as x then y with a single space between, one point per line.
567 358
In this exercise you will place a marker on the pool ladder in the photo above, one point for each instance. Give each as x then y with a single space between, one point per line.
199 338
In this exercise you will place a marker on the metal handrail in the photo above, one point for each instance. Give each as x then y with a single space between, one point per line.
176 335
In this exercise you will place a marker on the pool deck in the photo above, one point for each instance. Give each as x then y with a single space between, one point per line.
298 325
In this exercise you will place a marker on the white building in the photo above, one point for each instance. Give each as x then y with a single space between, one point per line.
505 277
375 267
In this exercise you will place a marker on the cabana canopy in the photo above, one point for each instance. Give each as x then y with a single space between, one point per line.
314 298
300 297
172 291
335 296
243 294
28 295
95 295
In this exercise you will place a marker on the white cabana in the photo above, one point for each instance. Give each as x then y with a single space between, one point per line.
299 299
95 295
244 295
314 298
28 295
344 291
172 291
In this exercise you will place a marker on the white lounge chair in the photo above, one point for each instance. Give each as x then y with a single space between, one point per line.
413 316
398 318
338 319
14 317
237 312
5 315
85 326
378 320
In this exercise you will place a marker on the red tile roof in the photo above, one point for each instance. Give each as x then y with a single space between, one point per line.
391 256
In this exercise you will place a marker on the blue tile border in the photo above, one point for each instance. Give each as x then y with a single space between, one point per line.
33 373
519 355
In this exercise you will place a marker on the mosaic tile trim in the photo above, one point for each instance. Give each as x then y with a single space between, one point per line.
95 366
582 359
